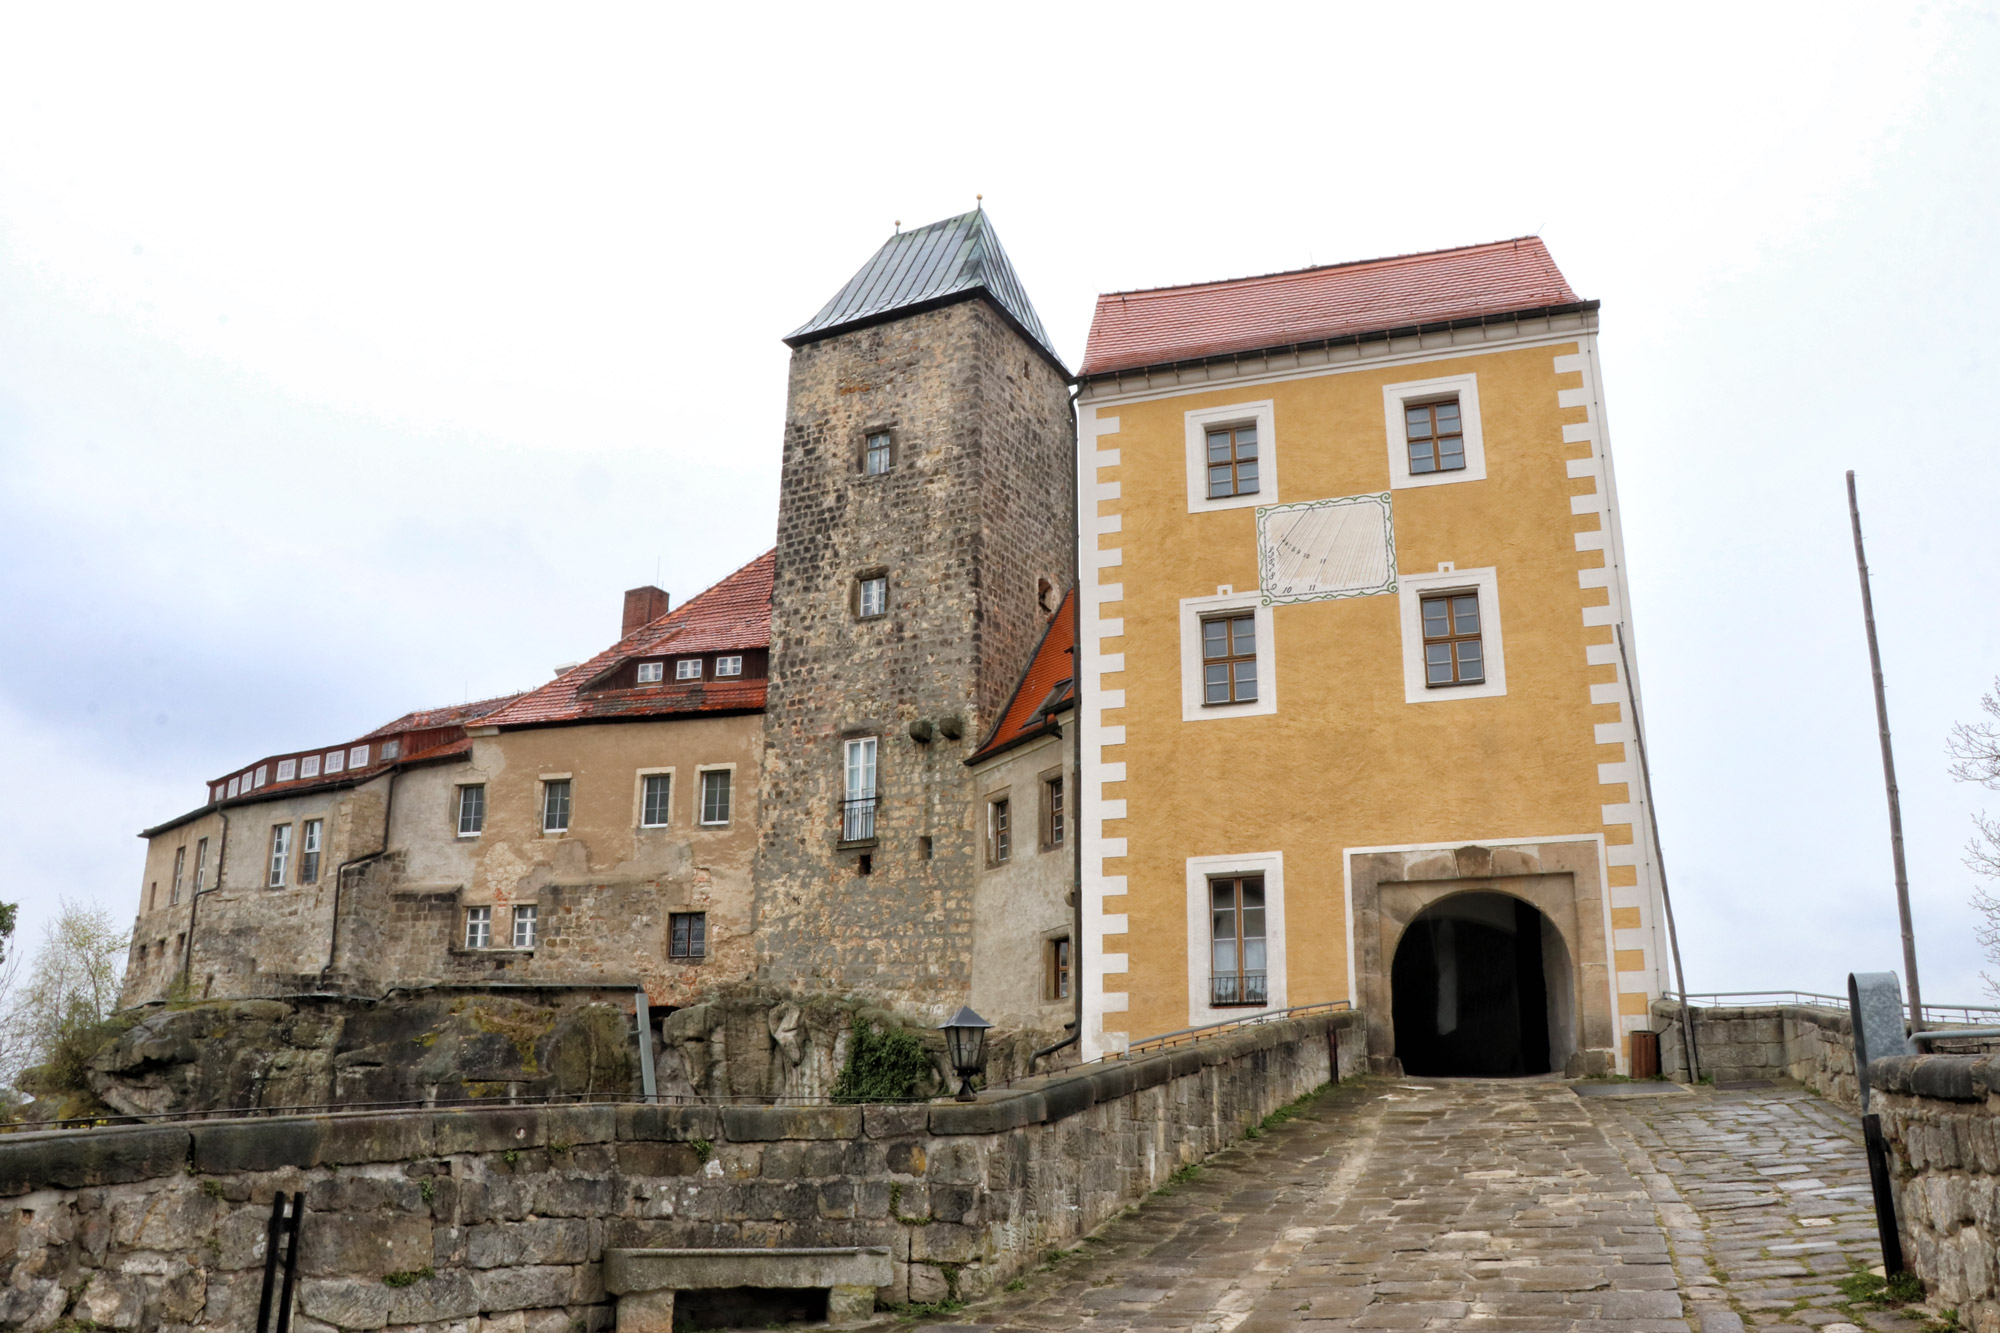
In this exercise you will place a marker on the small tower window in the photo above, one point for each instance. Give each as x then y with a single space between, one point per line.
876 455
872 596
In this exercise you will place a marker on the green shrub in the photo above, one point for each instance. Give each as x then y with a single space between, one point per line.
884 1066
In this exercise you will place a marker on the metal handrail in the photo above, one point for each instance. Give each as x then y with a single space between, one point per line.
1194 1034
1739 999
857 817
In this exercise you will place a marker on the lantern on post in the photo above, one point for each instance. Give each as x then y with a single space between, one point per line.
965 1043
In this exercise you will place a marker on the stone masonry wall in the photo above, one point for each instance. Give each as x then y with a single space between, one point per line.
1811 1045
491 1220
1941 1119
973 513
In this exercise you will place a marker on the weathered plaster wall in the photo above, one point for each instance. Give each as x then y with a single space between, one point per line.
159 931
975 510
1815 1046
1941 1121
505 1214
1019 907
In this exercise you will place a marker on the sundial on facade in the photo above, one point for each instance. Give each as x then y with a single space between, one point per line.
1321 549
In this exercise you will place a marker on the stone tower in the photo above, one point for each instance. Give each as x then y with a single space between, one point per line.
925 534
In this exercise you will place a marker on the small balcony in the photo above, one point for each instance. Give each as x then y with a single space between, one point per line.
1238 988
857 820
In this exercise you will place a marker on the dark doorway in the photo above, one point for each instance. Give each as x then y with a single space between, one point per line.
748 1307
1471 989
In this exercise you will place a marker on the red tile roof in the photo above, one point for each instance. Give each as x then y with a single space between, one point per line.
735 613
452 715
1052 667
1168 324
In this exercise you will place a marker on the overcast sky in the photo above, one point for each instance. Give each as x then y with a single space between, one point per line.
356 361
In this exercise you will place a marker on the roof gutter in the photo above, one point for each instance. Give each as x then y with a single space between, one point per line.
1089 377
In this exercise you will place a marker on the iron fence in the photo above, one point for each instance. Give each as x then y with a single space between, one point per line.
857 818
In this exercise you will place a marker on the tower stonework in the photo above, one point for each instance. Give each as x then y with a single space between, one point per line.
969 522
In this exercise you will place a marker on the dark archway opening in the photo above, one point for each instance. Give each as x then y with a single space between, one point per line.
1479 989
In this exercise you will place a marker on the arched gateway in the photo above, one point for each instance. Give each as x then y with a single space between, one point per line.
1482 987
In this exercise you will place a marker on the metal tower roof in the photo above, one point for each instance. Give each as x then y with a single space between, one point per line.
922 269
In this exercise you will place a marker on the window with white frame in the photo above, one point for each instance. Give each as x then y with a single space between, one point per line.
263 774
1227 657
729 666
1434 431
876 454
655 799
309 766
715 783
1235 935
200 863
336 761
309 851
1452 642
180 865
471 809
526 919
650 672
233 786
871 596
287 769
857 807
281 854
688 668
555 805
1230 458
478 927
358 757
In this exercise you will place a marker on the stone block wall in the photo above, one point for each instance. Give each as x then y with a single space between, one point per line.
476 1221
1812 1045
1941 1120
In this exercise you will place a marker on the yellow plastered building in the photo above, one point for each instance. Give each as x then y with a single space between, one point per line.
1352 632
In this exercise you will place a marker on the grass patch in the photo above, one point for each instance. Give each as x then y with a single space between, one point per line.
911 1311
410 1278
1862 1288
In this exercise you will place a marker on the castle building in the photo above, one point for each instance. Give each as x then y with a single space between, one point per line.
924 541
1355 718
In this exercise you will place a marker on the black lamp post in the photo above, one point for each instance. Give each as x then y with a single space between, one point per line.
965 1041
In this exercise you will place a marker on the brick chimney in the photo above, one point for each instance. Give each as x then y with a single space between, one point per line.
642 607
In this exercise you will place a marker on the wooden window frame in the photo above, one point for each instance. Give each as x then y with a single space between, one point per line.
1235 460
281 857
859 603
1231 658
1058 968
999 829
666 803
1055 809
693 945
568 797
312 842
1452 638
728 780
1433 437
465 790
1243 1000
650 673
868 451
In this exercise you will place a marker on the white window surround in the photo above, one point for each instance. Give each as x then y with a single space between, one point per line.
1466 389
688 668
650 672
1198 422
309 766
287 769
337 761
1193 609
233 786
1200 869
1411 590
729 666
639 795
263 773
700 794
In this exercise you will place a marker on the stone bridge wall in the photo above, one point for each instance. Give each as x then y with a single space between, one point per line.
1941 1118
1812 1045
497 1219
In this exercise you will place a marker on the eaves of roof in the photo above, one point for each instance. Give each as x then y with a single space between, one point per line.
457 752
1343 340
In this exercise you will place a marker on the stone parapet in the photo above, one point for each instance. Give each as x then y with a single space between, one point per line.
419 1220
1941 1122
1811 1045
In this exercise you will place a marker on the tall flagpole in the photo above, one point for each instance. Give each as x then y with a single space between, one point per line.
1888 770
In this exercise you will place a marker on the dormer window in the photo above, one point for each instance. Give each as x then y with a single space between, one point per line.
652 672
287 769
358 757
309 766
390 749
729 666
336 761
688 668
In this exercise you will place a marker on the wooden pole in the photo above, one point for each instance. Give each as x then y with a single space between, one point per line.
1888 770
1659 859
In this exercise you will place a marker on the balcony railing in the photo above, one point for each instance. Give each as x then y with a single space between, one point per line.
1238 988
857 818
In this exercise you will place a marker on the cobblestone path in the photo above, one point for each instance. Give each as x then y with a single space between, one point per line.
1392 1204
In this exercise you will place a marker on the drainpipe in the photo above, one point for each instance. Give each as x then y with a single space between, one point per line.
1075 802
340 875
194 903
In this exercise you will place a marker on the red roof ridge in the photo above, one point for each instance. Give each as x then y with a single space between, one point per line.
1406 257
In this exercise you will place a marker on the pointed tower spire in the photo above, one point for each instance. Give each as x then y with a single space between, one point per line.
953 260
